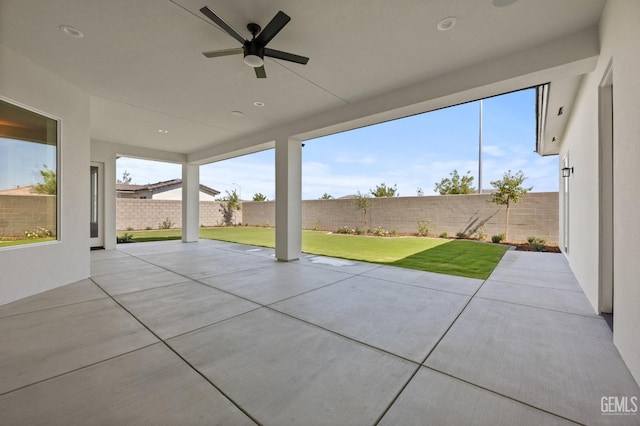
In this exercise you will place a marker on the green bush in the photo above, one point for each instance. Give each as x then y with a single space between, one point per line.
537 244
423 228
166 224
380 231
461 235
497 238
344 230
129 228
148 228
38 232
481 234
444 235
124 238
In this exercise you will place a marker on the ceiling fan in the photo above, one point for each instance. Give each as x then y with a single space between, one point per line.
254 50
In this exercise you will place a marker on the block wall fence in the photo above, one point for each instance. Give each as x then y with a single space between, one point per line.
138 214
536 214
20 213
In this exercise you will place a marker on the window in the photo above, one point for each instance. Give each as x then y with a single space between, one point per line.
28 176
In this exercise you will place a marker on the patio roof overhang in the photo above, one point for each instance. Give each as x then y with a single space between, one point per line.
142 64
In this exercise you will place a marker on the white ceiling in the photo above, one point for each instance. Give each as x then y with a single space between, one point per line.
141 61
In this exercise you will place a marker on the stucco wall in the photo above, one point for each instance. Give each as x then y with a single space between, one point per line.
32 269
138 214
20 213
536 214
619 32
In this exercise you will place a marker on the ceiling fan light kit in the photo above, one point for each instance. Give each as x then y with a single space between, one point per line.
254 50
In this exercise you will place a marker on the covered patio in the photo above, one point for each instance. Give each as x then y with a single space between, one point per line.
220 333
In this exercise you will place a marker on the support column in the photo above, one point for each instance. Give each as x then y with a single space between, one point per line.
109 202
190 202
288 199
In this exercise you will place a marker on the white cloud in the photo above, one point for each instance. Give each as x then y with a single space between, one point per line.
144 171
493 150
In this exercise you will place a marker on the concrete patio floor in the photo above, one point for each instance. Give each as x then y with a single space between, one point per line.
220 333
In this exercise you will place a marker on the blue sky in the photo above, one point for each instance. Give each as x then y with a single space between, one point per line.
21 162
414 152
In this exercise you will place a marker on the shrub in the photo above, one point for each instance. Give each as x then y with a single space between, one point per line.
129 228
537 244
423 228
344 230
380 231
496 239
148 228
124 238
316 226
38 232
166 224
358 231
461 235
444 235
230 204
481 234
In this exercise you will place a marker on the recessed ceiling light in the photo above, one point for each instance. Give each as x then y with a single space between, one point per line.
447 23
502 3
163 131
259 104
236 113
71 31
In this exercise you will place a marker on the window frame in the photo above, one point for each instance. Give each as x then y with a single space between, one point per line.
58 170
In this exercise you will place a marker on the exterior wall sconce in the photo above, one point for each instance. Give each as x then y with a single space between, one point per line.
567 172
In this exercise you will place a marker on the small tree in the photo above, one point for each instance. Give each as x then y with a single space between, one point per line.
363 202
229 205
259 197
126 178
509 190
50 184
456 184
383 191
326 196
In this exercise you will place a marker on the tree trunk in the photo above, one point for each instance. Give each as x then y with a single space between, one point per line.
506 234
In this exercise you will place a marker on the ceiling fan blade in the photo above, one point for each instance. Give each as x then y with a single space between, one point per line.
277 23
286 56
223 52
220 22
260 72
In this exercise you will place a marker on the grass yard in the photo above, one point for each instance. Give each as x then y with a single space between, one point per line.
7 243
454 257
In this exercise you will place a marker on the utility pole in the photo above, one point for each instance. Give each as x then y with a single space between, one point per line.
480 152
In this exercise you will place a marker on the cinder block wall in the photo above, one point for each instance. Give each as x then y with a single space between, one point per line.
138 214
535 215
20 213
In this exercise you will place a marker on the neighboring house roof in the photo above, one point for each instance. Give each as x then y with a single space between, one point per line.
163 186
21 190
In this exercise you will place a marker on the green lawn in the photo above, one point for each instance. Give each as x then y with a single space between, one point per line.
28 241
454 257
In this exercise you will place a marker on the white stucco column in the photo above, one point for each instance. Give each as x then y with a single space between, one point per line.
109 200
190 202
288 199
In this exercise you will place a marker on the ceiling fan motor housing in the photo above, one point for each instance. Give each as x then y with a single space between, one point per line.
253 48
